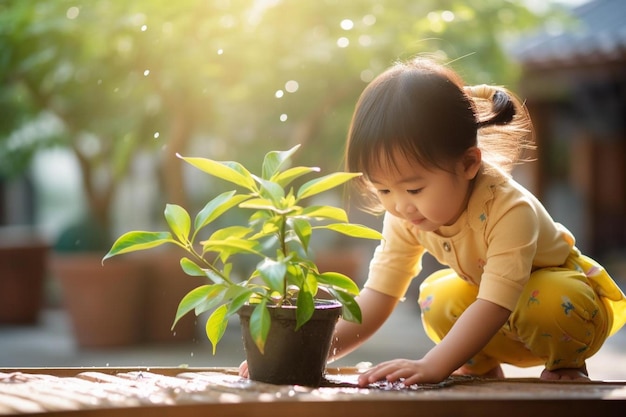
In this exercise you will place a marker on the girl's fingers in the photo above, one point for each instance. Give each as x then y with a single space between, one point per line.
243 370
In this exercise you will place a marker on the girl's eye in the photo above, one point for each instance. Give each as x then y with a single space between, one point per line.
416 191
383 192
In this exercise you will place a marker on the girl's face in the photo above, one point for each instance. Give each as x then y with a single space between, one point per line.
427 198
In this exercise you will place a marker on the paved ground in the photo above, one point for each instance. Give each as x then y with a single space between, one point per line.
51 344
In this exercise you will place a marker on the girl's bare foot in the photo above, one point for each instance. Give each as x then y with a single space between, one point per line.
566 374
494 373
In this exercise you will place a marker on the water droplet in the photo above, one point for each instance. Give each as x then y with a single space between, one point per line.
279 93
156 135
144 28
283 117
220 51
146 73
107 365
191 354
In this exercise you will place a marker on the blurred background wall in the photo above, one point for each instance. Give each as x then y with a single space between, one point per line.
99 96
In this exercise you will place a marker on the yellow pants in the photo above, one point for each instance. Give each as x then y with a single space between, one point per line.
563 316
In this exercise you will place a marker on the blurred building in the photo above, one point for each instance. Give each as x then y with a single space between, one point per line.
574 83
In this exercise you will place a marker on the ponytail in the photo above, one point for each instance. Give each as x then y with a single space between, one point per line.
504 126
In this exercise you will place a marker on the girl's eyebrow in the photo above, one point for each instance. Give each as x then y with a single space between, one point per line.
403 180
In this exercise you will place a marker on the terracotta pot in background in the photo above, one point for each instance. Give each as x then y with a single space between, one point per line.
166 285
105 302
22 278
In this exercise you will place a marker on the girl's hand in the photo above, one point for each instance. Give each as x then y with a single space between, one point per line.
243 370
413 372
469 334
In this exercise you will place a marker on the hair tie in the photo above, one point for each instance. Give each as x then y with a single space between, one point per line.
502 106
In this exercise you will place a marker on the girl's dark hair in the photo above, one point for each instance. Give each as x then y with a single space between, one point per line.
422 110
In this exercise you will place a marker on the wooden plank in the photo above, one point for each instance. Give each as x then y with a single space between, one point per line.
135 391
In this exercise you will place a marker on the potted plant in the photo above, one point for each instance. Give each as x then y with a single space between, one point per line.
284 291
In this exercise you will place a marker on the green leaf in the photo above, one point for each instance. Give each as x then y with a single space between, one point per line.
230 232
191 268
192 299
353 230
260 322
288 176
216 325
214 299
303 230
305 305
270 190
350 308
138 240
232 172
273 274
230 246
240 299
179 221
216 207
263 204
338 281
311 284
326 212
327 182
274 160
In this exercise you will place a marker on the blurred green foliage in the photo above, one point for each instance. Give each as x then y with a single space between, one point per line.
228 79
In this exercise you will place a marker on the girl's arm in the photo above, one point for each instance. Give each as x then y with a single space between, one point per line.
471 332
375 308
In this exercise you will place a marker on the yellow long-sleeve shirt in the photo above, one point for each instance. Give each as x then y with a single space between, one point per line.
504 234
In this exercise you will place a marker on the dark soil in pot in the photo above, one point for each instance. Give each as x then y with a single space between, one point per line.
291 357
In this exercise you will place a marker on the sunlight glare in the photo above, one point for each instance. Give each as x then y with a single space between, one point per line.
347 24
447 16
292 86
367 75
365 40
369 19
72 12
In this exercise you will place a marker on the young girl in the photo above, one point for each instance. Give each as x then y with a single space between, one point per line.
436 157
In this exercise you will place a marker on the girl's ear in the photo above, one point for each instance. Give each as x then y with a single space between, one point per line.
472 161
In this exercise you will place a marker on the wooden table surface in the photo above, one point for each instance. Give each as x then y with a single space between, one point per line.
122 392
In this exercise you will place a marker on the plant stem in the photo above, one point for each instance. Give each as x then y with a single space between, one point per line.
283 247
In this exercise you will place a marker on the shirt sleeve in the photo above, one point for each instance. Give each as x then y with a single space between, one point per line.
397 259
512 244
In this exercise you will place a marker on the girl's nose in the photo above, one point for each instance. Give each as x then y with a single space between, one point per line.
405 206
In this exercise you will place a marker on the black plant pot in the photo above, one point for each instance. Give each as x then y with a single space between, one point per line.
291 357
